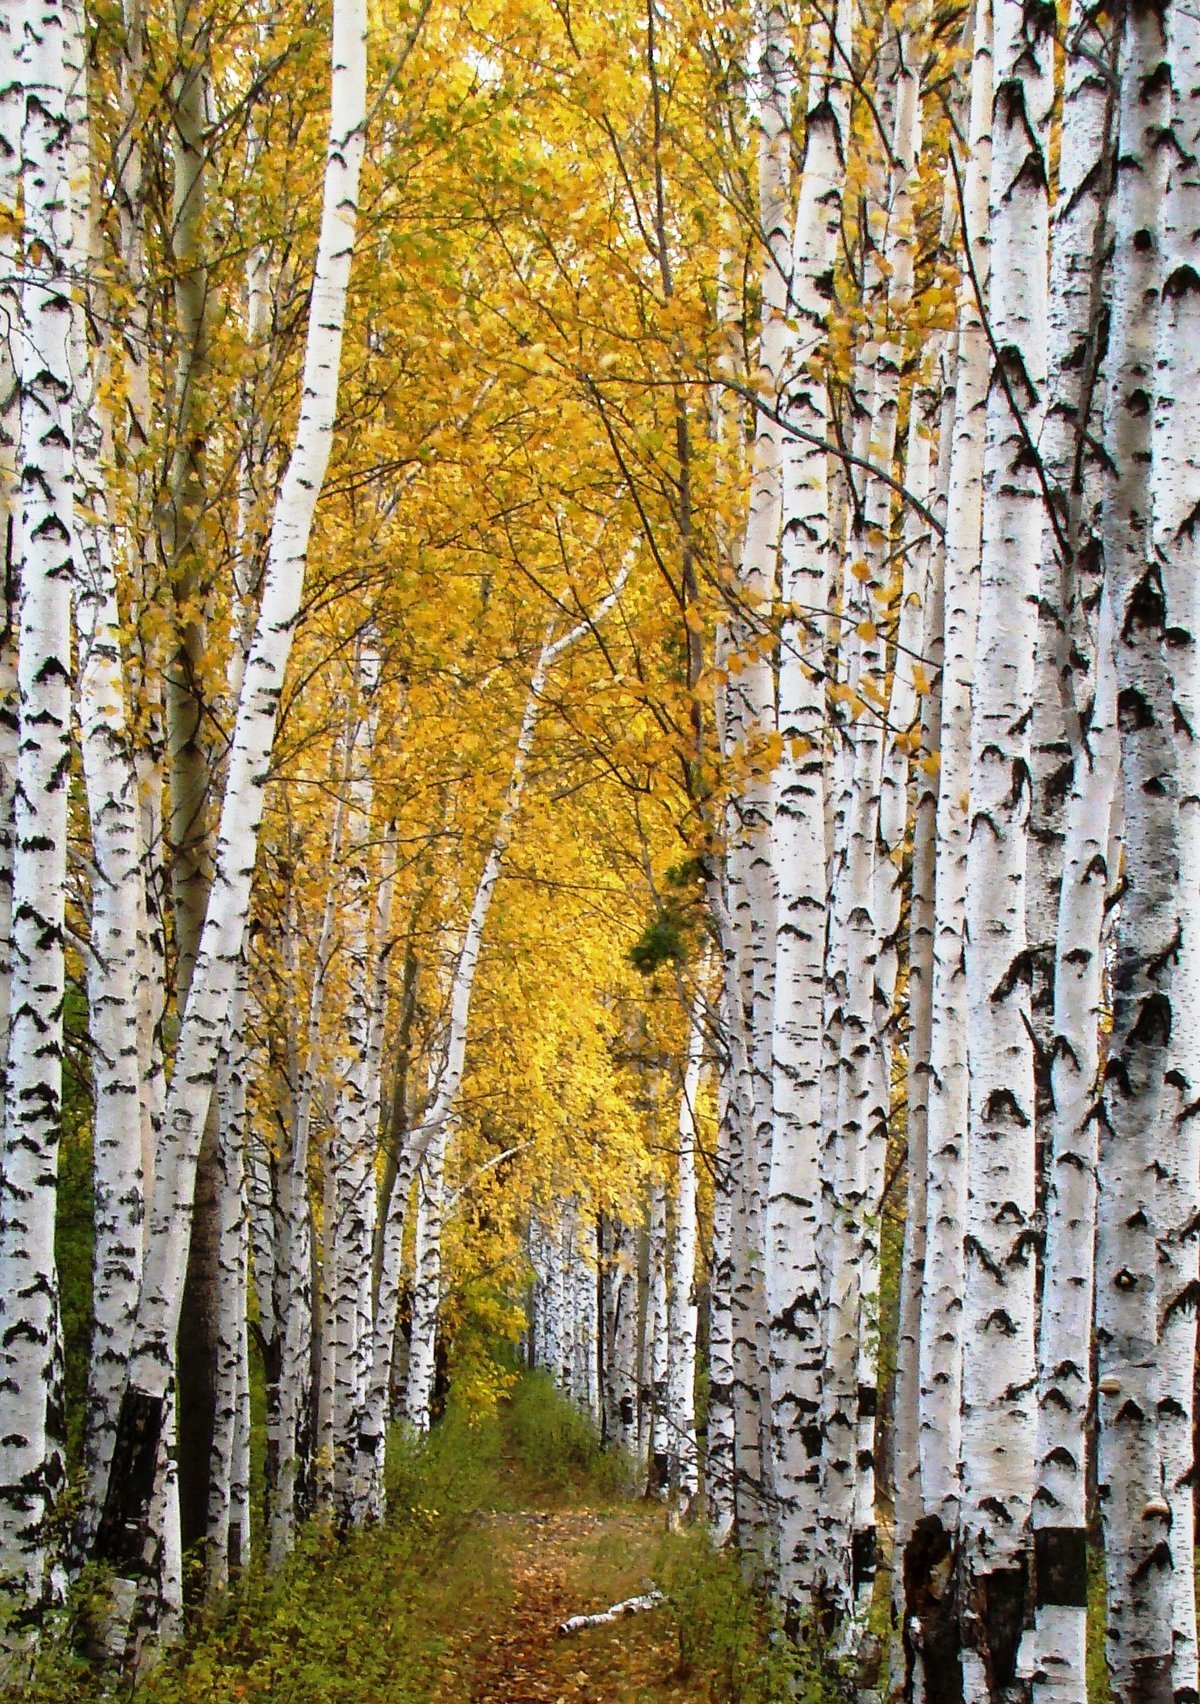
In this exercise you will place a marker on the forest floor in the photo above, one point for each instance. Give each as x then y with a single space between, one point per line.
499 1528
533 1567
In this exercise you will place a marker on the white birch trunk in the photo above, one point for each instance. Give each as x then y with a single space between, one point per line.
928 405
1069 577
1133 1133
793 1285
751 694
931 1633
683 1477
656 1420
621 1338
427 1282
226 1537
1058 1654
115 964
124 1538
719 1488
891 813
1176 485
31 1448
352 1140
12 113
999 1413
289 1417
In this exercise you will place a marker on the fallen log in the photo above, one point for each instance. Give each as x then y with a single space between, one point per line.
605 1617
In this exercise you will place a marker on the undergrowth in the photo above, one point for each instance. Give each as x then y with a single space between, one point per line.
730 1644
560 1446
378 1616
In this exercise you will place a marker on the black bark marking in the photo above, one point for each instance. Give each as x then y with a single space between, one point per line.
930 1605
1060 1566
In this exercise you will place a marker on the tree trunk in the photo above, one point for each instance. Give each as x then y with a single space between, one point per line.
999 1424
931 1629
31 1448
125 1539
1175 439
793 1283
683 1467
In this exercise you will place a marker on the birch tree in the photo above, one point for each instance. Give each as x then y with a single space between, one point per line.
124 1539
793 1284
999 1412
1174 546
1133 1130
683 1470
751 721
31 1450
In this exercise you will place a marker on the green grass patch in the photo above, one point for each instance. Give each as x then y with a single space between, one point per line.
732 1648
558 1449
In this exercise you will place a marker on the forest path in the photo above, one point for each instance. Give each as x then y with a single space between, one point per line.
501 1525
538 1565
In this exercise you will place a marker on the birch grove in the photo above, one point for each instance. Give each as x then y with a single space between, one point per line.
597 786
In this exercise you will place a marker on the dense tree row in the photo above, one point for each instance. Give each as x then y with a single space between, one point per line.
597 747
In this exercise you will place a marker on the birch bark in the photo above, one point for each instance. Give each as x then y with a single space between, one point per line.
656 1418
227 1538
999 1415
124 1538
118 929
930 1615
751 694
31 1448
793 1284
719 1439
1133 1132
1069 573
621 1337
1058 1659
683 1469
11 118
929 403
1173 493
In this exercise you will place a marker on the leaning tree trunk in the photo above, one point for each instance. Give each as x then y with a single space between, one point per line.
999 1427
431 1139
31 1448
125 1540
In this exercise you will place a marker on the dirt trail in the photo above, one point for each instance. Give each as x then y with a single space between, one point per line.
548 1564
